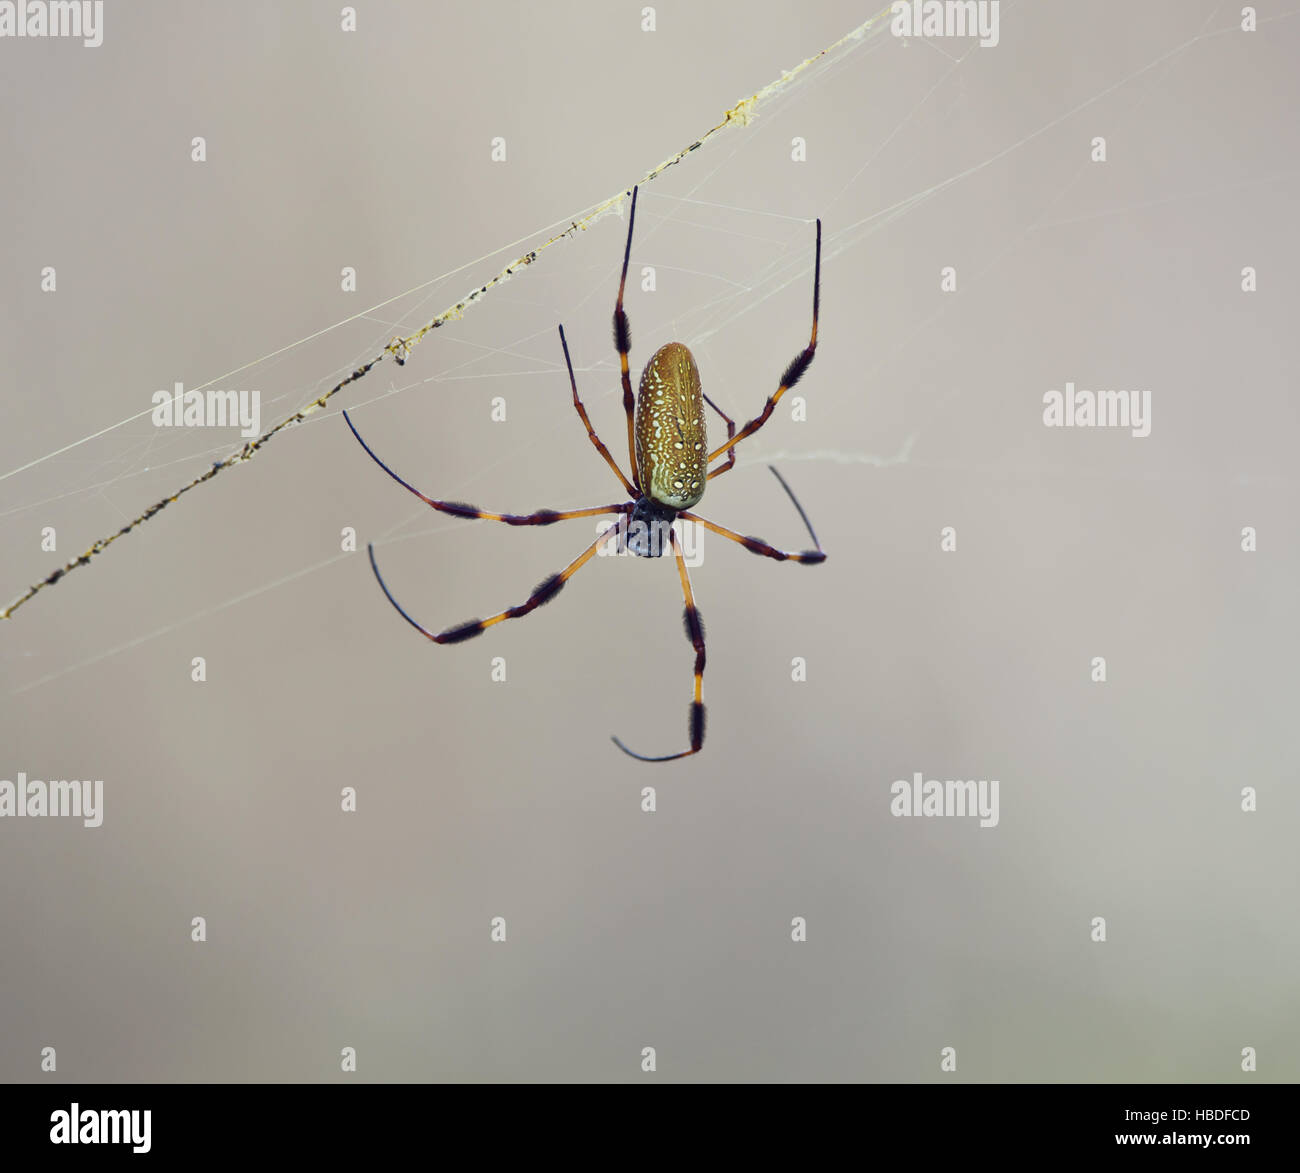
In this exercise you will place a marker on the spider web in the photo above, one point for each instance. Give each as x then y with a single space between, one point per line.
699 201
922 411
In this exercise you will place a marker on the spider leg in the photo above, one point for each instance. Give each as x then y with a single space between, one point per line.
471 512
757 545
591 432
731 432
695 633
544 592
623 342
794 372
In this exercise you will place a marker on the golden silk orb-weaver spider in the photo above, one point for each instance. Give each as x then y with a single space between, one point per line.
669 456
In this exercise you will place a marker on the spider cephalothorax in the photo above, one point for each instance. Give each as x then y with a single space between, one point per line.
650 528
669 454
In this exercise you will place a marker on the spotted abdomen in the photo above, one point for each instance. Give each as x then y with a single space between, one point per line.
672 452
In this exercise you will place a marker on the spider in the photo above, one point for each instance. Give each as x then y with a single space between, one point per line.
669 458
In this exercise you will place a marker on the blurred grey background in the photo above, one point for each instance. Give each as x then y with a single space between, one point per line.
480 798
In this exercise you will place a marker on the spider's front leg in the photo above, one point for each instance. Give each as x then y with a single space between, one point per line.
731 434
793 373
623 343
591 432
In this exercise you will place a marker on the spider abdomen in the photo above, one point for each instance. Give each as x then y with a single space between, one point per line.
672 452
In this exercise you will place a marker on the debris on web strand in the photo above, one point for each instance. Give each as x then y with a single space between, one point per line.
740 115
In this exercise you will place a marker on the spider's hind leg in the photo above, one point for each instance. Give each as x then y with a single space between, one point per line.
757 545
544 592
695 633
